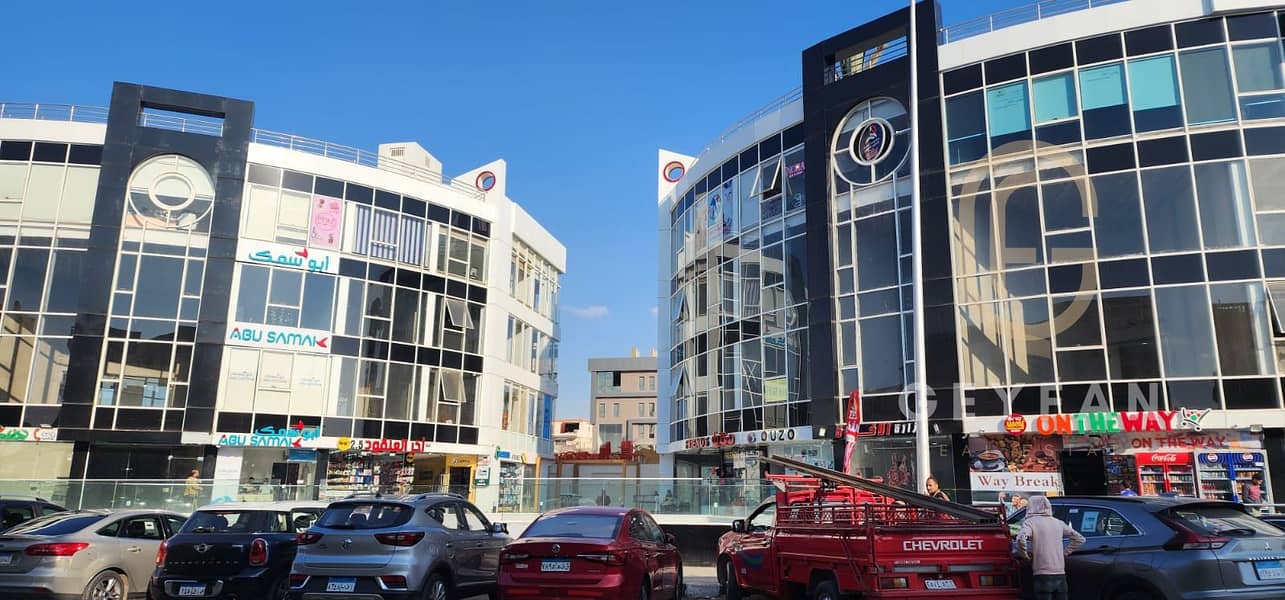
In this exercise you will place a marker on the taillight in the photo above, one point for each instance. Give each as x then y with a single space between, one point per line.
58 549
894 583
510 557
305 538
160 553
1187 539
393 581
258 552
401 538
613 559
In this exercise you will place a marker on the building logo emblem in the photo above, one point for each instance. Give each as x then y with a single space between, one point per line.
873 141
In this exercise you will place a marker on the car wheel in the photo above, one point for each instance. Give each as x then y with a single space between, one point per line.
108 585
438 588
826 590
732 587
644 590
281 588
680 588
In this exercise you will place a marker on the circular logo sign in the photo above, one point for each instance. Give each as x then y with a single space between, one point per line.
873 141
673 171
1015 424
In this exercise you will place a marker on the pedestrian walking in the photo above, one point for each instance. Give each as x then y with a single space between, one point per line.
192 490
934 489
1040 541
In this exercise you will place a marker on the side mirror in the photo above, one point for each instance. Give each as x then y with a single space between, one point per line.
670 539
500 528
738 526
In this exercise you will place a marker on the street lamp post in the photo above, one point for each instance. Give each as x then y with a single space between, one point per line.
917 281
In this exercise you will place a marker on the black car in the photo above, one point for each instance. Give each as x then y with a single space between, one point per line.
1148 548
239 551
16 510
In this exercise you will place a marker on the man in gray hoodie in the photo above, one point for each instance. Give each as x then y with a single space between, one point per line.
1040 541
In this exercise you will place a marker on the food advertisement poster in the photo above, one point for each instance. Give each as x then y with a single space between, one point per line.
1007 463
326 220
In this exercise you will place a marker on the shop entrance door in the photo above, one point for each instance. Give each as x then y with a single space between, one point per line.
1084 474
459 480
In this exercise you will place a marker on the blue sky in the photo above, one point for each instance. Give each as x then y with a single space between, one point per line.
576 95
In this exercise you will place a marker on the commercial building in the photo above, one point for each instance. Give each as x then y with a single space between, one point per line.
1103 247
622 400
573 435
185 292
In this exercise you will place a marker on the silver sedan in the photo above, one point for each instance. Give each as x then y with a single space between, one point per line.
91 555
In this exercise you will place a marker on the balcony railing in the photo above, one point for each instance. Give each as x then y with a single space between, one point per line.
98 114
1016 16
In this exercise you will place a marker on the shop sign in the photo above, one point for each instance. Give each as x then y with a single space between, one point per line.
482 477
503 454
299 258
395 446
893 429
1002 482
780 435
28 434
1164 458
278 338
1108 422
294 436
718 440
1211 440
296 455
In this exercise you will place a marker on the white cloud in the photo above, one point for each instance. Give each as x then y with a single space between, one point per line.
588 312
655 311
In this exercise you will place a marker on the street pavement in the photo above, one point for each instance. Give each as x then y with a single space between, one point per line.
702 582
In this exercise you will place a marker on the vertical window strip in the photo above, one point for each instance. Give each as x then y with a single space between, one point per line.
411 248
363 230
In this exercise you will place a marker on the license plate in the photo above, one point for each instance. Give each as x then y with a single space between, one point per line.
6 559
341 584
1269 569
939 584
191 590
555 566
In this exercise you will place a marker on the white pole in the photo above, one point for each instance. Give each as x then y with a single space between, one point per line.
922 469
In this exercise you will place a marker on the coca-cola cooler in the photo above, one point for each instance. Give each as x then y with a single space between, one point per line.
1225 475
1166 474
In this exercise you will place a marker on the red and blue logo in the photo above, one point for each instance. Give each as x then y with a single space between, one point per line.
872 142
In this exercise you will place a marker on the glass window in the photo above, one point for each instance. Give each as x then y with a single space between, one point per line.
1268 177
1243 333
1130 331
1118 217
1187 342
966 127
882 367
1031 356
1105 101
1258 67
1154 85
1206 85
318 301
1022 242
1226 219
457 312
1171 210
28 284
981 342
160 280
1009 114
1055 98
973 235
1065 206
877 251
1075 321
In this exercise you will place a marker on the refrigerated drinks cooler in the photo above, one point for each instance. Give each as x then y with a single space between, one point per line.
1166 474
1222 475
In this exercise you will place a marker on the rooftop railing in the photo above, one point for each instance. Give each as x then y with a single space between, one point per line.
769 108
98 114
1016 16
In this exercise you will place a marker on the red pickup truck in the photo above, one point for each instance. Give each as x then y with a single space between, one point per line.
836 535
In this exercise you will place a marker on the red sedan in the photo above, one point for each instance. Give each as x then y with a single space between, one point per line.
592 552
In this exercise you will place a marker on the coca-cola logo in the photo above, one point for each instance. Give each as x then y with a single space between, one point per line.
1164 458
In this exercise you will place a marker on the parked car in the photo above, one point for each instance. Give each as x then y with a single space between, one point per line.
100 555
1277 519
593 552
234 550
1148 548
434 546
16 510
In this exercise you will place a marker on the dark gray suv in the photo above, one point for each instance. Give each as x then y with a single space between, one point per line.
1145 548
430 546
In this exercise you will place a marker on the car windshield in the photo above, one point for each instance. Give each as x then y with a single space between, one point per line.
365 515
56 524
1222 520
222 521
574 525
